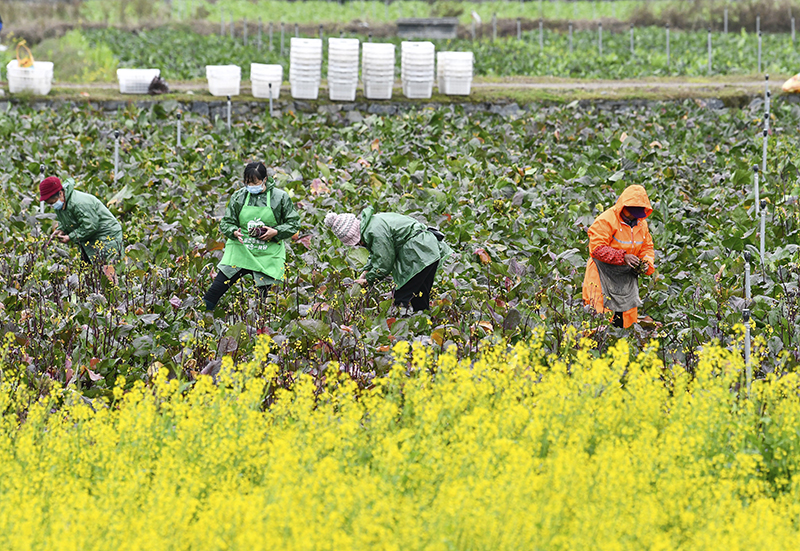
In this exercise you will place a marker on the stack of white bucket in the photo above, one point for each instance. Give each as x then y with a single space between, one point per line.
377 70
342 68
454 72
305 67
261 76
417 69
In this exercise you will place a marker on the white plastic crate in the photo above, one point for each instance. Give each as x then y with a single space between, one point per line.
305 89
455 57
342 92
305 46
346 43
424 47
414 89
343 76
409 74
455 86
262 75
260 88
304 70
263 71
378 90
374 74
224 80
37 79
136 81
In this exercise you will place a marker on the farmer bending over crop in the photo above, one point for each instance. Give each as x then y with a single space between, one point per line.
397 245
621 250
258 218
82 219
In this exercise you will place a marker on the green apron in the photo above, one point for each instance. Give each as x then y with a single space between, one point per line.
267 257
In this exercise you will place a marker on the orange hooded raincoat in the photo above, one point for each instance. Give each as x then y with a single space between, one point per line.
609 229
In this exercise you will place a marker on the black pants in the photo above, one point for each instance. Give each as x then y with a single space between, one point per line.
616 321
417 291
221 285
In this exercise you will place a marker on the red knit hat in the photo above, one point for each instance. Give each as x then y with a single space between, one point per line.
49 187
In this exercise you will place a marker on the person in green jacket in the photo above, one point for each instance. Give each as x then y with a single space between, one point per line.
257 220
83 219
399 246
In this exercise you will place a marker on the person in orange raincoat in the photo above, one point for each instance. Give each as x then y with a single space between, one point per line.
621 247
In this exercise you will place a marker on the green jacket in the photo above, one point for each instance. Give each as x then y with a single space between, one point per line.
398 245
282 207
88 222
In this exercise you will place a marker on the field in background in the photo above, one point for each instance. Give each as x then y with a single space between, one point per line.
775 15
94 54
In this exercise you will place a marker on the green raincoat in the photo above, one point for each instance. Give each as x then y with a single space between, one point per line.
398 245
87 222
287 221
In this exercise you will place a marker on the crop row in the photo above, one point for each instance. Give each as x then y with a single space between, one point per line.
520 192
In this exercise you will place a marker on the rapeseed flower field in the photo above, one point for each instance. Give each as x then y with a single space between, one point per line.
517 449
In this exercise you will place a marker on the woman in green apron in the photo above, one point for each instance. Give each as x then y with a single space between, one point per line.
257 220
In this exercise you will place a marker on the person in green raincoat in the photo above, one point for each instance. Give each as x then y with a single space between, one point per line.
83 219
257 220
399 246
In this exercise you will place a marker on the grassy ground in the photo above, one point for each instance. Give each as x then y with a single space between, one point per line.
733 90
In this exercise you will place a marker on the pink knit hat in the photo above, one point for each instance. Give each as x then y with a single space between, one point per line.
346 227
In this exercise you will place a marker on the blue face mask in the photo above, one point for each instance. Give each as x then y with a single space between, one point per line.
255 189
58 205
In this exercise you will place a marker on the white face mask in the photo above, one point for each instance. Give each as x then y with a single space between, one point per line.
255 189
58 205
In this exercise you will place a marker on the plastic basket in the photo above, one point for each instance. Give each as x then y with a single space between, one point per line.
378 54
342 92
408 47
342 73
455 57
455 86
377 63
417 68
305 89
260 88
305 66
419 71
378 90
334 42
428 63
298 74
37 79
263 71
413 89
378 47
371 77
347 57
224 80
305 45
298 57
417 77
136 81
